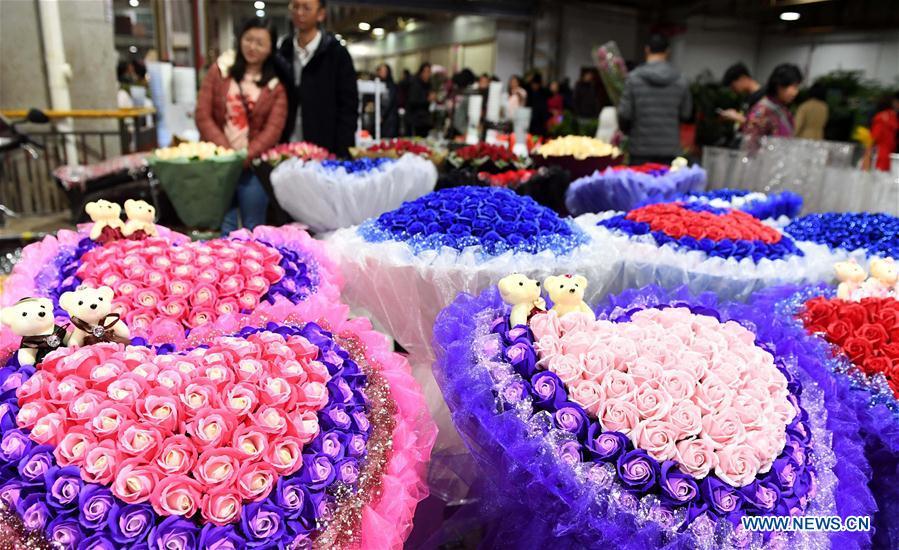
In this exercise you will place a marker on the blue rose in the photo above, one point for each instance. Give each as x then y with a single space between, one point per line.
347 470
548 389
318 471
330 444
637 470
174 533
292 496
571 418
12 491
605 446
760 496
262 523
130 523
63 486
723 499
677 487
522 357
96 506
415 228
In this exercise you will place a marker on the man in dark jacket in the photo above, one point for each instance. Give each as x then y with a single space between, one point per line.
321 82
655 101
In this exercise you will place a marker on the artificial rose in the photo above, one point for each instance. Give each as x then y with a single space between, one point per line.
220 507
696 456
656 437
176 496
177 455
723 428
571 418
651 400
255 480
677 487
637 470
134 482
286 455
73 446
211 427
737 465
588 394
617 415
858 349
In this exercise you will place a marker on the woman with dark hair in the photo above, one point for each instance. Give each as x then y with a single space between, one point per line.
390 115
518 97
243 106
771 116
812 114
418 105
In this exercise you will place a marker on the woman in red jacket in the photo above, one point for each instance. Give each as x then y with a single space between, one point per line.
242 105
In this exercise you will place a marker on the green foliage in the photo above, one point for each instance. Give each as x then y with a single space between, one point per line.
708 97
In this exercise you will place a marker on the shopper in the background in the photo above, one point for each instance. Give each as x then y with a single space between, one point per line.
537 101
320 80
242 105
390 115
656 99
418 104
126 77
812 114
518 97
884 130
556 103
586 100
740 81
771 116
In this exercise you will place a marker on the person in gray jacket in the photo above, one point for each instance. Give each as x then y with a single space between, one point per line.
655 101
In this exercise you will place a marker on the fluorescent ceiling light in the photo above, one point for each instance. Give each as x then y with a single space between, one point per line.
363 26
378 31
260 13
789 16
134 3
259 5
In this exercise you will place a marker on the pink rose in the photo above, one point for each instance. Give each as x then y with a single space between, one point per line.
656 437
767 444
231 285
723 428
625 352
173 307
305 426
148 298
156 278
737 465
29 413
729 368
100 463
749 411
184 272
317 372
209 276
712 395
782 411
685 418
227 306
198 395
182 256
644 370
696 457
248 301
303 349
693 364
652 401
286 455
679 384
257 284
176 496
277 391
211 427
250 442
250 370
140 320
596 363
617 415
218 466
103 375
618 385
219 376
109 419
576 322
576 343
240 399
270 420
138 441
172 380
587 394
255 480
181 289
547 348
250 267
160 262
73 446
274 272
125 391
32 388
49 428
228 267
136 272
177 455
159 409
204 295
125 288
313 395
86 405
134 482
201 316
220 506
205 260
566 367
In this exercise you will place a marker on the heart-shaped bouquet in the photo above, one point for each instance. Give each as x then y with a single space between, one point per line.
663 423
268 421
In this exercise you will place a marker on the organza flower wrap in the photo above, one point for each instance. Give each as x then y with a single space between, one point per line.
785 205
329 195
626 188
706 248
565 477
856 235
285 426
854 352
405 266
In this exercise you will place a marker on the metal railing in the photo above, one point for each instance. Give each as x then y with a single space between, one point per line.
27 185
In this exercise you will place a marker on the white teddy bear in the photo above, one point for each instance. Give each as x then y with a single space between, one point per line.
567 294
523 294
883 279
140 218
90 310
32 319
850 275
105 215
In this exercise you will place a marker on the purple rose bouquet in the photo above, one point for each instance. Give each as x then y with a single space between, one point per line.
579 456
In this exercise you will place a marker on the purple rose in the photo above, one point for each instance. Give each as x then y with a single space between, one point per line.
569 452
340 391
522 357
514 391
96 505
723 499
318 471
11 379
354 444
549 392
799 431
637 470
571 418
330 444
14 445
174 533
11 491
360 421
8 416
100 541
335 417
677 487
804 483
347 470
34 511
63 486
262 523
605 446
299 541
223 537
64 532
760 496
130 523
518 335
35 464
498 326
784 472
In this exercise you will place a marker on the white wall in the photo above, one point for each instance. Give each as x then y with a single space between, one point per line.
714 44
511 45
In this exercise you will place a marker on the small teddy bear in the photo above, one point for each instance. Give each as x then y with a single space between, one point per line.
90 311
32 319
140 220
567 294
523 294
882 282
850 275
108 225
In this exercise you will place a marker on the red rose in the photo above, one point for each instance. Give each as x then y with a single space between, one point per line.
820 310
873 333
858 349
854 313
838 331
888 318
874 365
891 350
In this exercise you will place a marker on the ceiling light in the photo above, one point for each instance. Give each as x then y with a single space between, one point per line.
133 49
134 3
378 31
789 16
260 13
343 42
363 26
338 36
259 5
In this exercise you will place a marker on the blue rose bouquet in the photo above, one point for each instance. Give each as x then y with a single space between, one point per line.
330 194
859 235
785 204
623 448
623 188
705 247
